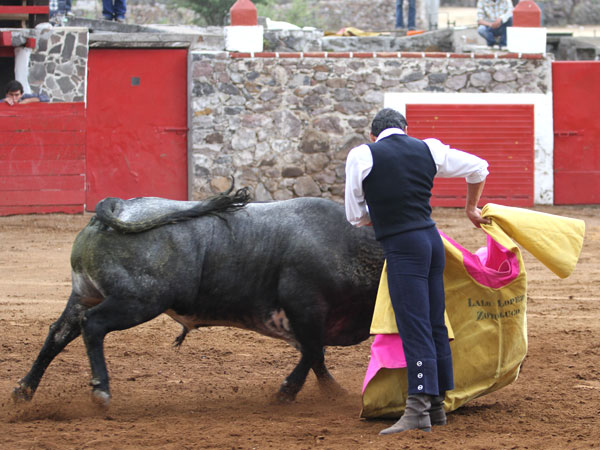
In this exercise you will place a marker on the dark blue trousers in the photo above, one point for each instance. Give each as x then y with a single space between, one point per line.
491 35
415 269
114 9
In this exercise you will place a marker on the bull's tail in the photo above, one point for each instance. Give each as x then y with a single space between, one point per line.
108 211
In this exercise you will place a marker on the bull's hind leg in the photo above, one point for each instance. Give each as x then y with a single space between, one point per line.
111 315
63 331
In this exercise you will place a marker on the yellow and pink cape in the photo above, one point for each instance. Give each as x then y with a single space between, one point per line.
486 303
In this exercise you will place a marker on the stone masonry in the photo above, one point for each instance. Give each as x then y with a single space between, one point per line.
58 61
283 124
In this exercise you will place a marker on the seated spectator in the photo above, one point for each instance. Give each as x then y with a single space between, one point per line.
57 12
14 95
493 17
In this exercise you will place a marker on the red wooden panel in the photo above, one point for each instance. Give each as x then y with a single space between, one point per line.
11 120
40 209
137 124
56 167
5 38
576 132
41 110
50 197
42 158
24 9
42 145
42 183
501 134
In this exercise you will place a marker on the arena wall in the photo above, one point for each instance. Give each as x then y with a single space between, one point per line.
283 123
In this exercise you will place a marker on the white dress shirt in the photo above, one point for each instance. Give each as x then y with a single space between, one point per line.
449 163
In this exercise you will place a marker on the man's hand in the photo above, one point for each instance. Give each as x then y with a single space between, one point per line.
474 216
496 24
9 100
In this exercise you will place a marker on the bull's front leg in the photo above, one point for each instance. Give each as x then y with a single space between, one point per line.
308 335
295 380
327 383
63 331
303 306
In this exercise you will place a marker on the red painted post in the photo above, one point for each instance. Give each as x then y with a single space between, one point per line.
5 38
527 14
243 12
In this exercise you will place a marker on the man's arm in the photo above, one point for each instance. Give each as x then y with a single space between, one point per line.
474 191
452 163
34 99
358 165
508 13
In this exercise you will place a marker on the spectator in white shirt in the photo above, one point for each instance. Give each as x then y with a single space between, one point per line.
493 18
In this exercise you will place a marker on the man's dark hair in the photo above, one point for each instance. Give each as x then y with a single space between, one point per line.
387 118
13 86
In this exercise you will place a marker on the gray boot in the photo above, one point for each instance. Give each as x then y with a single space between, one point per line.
416 415
437 413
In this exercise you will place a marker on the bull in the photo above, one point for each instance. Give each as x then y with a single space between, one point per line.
294 270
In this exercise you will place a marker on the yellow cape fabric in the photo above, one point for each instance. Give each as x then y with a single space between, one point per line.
384 319
489 324
352 31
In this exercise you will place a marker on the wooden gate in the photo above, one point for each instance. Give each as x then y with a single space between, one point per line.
501 134
576 132
137 124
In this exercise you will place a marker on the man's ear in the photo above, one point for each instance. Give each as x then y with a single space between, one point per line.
373 137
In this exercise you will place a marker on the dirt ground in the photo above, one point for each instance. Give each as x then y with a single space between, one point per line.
216 392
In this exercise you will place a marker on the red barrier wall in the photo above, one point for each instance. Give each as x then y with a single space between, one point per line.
576 132
42 158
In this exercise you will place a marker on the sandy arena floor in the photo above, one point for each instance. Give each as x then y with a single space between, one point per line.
216 392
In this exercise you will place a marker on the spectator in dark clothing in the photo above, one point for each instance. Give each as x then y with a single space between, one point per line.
114 10
412 14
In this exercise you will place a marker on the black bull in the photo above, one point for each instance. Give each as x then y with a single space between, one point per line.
294 270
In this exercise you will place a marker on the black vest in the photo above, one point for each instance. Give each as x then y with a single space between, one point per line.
398 188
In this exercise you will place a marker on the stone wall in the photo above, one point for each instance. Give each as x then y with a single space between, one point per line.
283 124
570 12
58 63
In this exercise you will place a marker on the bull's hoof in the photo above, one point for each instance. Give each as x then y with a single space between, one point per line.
285 397
101 398
329 387
22 394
